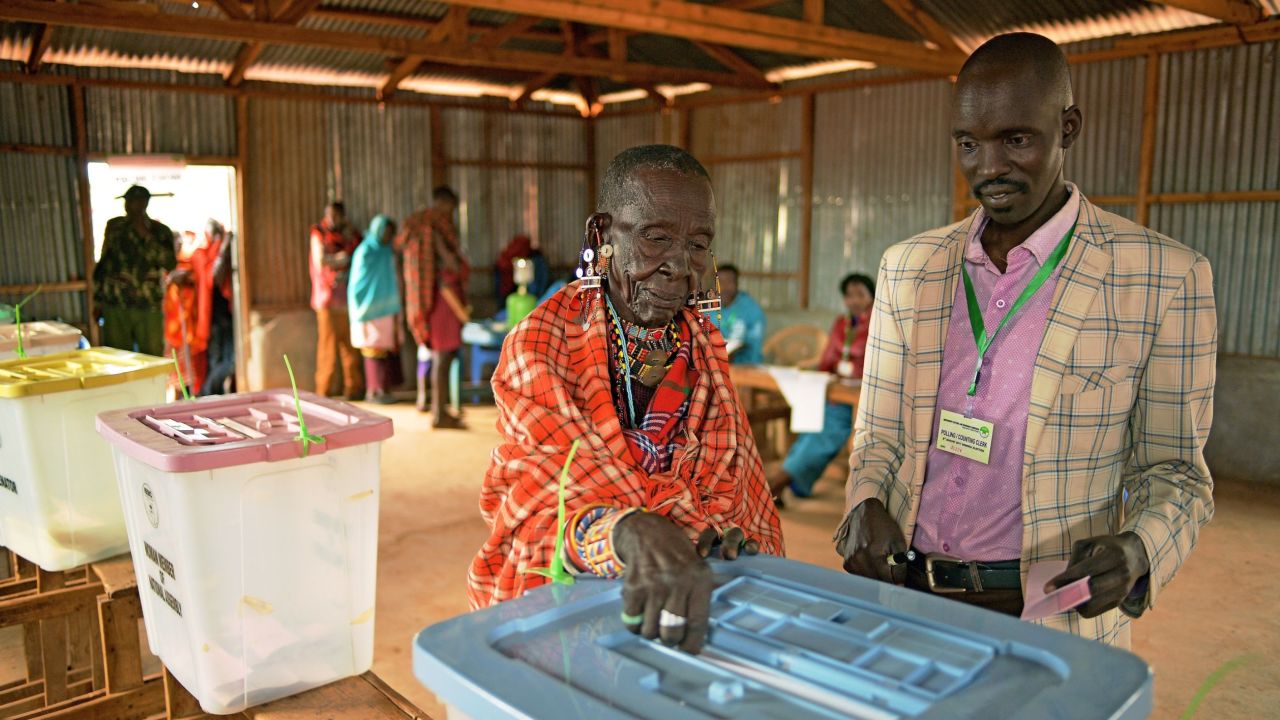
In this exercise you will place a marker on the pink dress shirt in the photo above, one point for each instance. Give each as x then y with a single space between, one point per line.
970 510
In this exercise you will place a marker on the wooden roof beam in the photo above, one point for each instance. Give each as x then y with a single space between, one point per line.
659 100
520 27
815 11
39 46
732 61
710 23
453 27
232 9
296 10
402 70
587 89
248 54
534 86
924 24
120 17
1236 12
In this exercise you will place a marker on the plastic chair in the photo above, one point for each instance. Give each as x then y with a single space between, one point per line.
796 346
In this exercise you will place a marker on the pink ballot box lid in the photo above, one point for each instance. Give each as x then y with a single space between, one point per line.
38 334
225 431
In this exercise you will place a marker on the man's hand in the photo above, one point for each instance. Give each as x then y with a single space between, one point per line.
663 572
1113 564
181 276
732 544
870 537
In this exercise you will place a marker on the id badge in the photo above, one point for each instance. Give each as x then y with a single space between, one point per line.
844 368
967 437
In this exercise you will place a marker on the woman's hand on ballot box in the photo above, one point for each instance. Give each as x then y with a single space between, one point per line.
667 580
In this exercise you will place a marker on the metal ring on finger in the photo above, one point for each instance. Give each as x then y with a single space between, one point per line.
668 619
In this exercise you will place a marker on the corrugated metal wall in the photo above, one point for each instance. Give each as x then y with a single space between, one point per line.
517 173
617 133
1106 158
121 121
288 180
1219 130
759 201
40 237
882 173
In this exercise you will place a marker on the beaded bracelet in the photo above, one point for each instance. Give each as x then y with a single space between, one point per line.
592 539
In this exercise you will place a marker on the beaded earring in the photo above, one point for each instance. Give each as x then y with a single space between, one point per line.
709 302
592 269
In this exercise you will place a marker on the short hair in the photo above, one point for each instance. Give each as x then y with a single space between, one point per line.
729 268
339 206
863 280
444 192
615 187
1022 52
218 228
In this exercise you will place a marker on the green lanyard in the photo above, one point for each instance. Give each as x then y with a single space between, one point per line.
980 336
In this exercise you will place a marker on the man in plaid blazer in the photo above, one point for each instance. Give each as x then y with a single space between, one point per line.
1039 377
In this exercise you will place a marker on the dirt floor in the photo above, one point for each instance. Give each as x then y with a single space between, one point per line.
1220 611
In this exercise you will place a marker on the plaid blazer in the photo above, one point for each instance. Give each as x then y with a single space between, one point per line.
1121 397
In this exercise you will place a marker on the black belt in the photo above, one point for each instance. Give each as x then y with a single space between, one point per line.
948 575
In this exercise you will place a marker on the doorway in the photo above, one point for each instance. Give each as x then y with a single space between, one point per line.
201 317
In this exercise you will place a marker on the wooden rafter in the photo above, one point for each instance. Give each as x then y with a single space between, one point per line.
587 89
233 9
39 45
451 28
117 17
660 100
602 36
923 23
617 44
814 11
516 28
534 86
402 70
1236 12
710 23
262 9
296 10
731 60
248 54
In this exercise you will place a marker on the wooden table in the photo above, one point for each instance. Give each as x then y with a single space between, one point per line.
757 377
365 697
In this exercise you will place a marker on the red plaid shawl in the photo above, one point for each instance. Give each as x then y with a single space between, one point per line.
552 387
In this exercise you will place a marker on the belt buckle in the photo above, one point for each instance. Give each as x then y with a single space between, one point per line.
928 573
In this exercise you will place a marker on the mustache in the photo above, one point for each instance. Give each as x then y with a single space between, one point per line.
1019 186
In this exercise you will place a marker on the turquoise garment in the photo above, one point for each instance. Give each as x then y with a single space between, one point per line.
373 290
744 322
812 452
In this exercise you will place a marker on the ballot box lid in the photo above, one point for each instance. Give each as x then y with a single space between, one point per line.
228 430
788 640
40 334
76 370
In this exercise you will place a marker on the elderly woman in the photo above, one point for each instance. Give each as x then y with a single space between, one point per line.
623 361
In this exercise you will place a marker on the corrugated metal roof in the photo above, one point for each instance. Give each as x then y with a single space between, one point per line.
1060 20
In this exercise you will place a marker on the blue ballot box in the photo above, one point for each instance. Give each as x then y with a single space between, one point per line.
788 640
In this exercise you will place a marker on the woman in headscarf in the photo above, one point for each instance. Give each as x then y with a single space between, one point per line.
373 301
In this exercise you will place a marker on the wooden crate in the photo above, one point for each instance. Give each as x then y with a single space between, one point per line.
81 642
365 697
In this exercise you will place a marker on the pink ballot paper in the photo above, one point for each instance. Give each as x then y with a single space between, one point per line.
1037 605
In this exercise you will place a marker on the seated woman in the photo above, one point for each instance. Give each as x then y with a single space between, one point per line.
622 361
846 349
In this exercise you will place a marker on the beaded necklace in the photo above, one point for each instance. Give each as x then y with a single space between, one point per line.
642 353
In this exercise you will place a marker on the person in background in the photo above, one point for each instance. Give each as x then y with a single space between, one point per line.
222 331
743 324
332 242
188 308
373 300
129 280
844 354
1040 382
521 246
435 279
